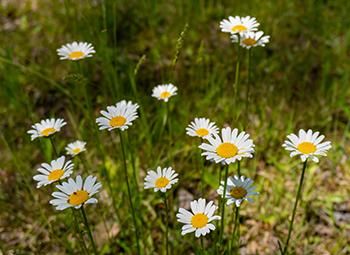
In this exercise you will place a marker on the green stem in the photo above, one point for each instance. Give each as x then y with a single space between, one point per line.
223 206
247 99
295 207
129 193
235 238
201 166
202 245
88 230
77 229
235 88
166 224
53 146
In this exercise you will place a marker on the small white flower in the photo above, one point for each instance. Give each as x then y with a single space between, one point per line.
119 116
75 193
251 39
228 148
199 219
164 92
202 127
308 145
75 148
237 190
239 25
57 170
76 51
46 128
161 180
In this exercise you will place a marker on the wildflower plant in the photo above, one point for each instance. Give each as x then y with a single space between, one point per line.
162 180
75 51
307 145
56 171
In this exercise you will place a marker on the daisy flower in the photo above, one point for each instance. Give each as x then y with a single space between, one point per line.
75 148
202 127
76 193
308 145
238 189
161 180
199 219
119 116
57 170
239 25
252 39
228 148
46 128
164 92
76 51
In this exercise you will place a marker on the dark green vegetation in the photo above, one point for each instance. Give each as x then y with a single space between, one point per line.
300 80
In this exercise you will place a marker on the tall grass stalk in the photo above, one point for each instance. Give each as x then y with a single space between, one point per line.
223 206
236 84
236 229
129 193
297 198
247 97
166 223
87 226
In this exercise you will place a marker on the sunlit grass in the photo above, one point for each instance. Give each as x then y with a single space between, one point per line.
299 80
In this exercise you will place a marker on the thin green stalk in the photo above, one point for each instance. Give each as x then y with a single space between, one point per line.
77 229
295 207
201 166
129 193
202 245
53 146
88 230
235 87
223 207
166 224
247 99
235 238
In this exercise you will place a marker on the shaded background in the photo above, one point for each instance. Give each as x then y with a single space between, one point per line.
300 80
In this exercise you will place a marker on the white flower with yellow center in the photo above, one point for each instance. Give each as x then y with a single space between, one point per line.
57 170
252 39
76 193
239 25
119 116
199 219
237 190
75 148
228 148
161 180
164 92
202 127
308 145
76 51
46 128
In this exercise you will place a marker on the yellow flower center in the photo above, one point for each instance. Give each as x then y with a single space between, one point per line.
306 147
55 175
227 150
161 182
78 197
76 54
249 41
76 150
238 192
117 121
165 95
202 132
48 131
239 28
199 220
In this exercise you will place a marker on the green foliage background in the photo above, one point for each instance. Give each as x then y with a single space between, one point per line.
300 80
